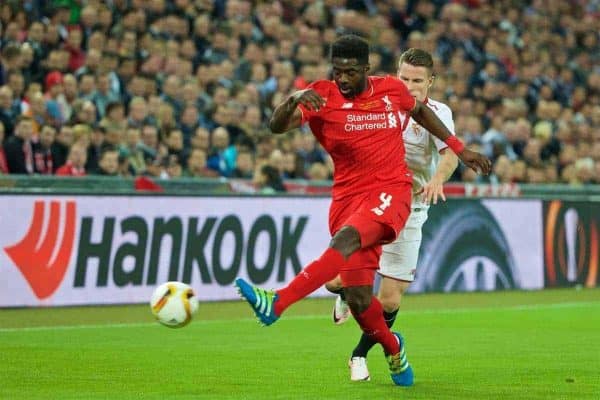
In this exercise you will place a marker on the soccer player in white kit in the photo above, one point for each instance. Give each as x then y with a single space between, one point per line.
432 164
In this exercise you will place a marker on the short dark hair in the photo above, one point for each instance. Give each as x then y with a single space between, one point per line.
351 46
112 106
273 178
11 51
417 58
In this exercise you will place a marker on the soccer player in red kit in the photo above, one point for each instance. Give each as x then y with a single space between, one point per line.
359 120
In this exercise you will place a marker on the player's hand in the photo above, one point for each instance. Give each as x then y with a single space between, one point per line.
308 98
433 190
476 161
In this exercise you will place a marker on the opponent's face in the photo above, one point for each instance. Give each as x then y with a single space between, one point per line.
349 76
417 79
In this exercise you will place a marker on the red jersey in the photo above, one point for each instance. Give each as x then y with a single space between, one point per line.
69 170
363 135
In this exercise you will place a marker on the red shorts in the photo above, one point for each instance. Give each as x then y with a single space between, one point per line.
389 207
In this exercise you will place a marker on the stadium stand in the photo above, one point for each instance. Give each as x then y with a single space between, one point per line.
177 88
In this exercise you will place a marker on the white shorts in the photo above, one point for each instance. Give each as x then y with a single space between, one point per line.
399 258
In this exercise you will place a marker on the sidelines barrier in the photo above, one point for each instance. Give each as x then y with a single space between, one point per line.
90 249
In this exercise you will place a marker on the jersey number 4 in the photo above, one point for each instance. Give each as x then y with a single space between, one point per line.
386 200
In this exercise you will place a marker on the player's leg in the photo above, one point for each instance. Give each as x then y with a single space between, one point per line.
335 285
361 229
397 267
368 313
341 311
365 307
390 294
269 305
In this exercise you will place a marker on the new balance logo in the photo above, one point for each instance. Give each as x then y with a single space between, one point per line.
347 105
386 201
41 257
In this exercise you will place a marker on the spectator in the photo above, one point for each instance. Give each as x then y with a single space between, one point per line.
149 142
61 145
174 143
190 121
138 112
17 83
502 73
75 165
201 140
196 166
73 46
109 163
267 180
219 160
7 112
105 93
84 112
292 168
87 89
174 168
70 94
132 150
3 162
244 165
42 151
10 60
95 148
114 117
18 147
171 92
318 172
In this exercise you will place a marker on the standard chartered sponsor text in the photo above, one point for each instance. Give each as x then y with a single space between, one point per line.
366 122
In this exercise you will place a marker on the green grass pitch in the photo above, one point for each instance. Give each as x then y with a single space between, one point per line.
504 345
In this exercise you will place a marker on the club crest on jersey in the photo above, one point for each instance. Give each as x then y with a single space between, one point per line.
417 129
388 103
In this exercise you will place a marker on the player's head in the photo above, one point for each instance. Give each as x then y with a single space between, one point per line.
350 62
415 69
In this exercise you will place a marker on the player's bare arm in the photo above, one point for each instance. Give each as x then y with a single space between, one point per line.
287 116
434 189
427 119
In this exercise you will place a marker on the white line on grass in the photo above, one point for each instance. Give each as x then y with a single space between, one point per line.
523 307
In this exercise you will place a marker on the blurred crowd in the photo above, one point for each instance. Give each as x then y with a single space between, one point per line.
184 88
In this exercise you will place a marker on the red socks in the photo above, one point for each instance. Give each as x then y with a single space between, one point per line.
312 277
319 272
373 325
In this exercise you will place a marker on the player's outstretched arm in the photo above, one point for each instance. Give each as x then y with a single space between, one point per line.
287 116
434 189
427 119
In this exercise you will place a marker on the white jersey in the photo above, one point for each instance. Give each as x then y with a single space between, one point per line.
422 149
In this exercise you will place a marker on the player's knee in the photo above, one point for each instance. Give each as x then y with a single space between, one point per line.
358 305
346 241
358 298
390 303
334 285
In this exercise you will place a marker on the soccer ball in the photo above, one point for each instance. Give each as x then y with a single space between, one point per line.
173 304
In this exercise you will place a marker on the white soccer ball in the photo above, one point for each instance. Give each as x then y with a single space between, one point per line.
173 304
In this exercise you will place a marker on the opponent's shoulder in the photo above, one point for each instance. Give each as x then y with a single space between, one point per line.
438 106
